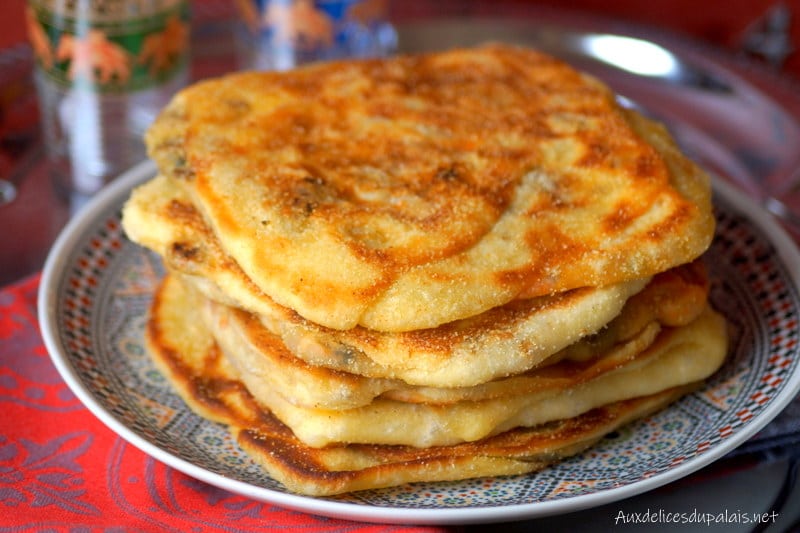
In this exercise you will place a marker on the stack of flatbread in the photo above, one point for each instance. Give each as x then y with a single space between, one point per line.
434 267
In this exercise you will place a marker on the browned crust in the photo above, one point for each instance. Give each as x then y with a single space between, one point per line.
407 164
210 389
522 450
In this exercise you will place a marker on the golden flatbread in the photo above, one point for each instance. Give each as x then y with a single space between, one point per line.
342 378
433 267
408 192
210 386
678 356
501 341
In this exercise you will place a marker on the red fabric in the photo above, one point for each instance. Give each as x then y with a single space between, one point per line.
62 469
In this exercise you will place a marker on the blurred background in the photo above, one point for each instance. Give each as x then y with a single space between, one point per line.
734 25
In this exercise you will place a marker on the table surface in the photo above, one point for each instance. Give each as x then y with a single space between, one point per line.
60 467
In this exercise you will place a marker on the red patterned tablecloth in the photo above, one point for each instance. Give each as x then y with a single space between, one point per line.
62 469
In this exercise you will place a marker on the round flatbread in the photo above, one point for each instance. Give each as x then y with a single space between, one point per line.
408 192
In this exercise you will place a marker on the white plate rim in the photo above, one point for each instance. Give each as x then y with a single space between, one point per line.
785 249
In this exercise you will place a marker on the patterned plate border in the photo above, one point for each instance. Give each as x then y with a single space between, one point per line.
96 288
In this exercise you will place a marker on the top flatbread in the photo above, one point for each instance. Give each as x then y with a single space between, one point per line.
404 193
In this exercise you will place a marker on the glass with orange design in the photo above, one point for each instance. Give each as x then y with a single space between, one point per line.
104 68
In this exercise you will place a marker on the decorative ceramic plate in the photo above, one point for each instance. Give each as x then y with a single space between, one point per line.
96 290
97 286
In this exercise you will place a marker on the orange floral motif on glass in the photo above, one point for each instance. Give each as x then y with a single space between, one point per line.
162 49
94 57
